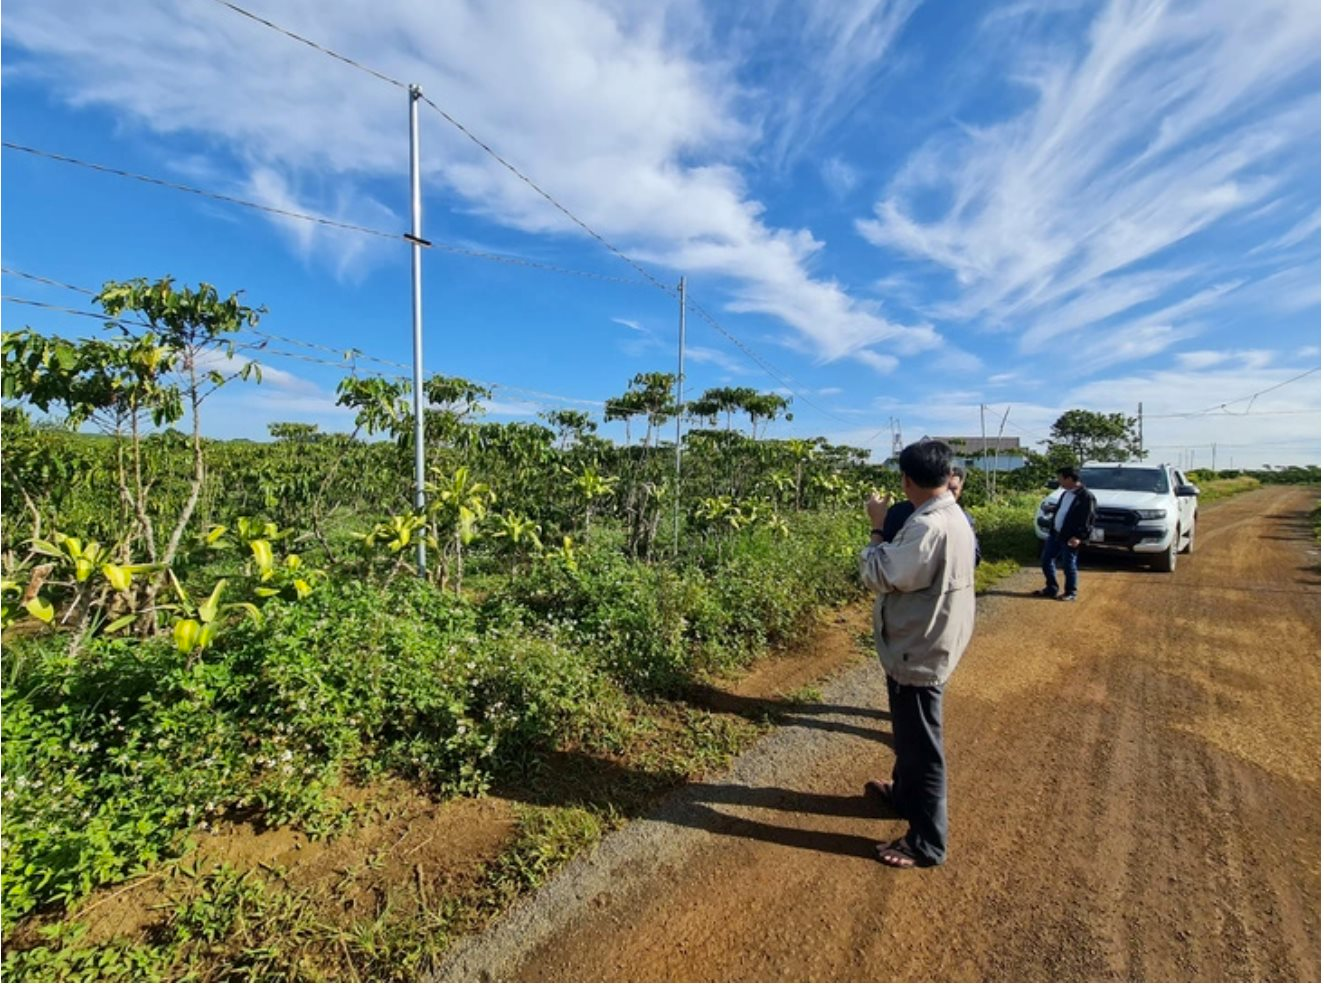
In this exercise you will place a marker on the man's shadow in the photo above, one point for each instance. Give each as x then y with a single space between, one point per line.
699 808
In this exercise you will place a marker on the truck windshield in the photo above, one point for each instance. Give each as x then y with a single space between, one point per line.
1126 479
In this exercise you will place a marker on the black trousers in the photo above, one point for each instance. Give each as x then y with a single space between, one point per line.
919 776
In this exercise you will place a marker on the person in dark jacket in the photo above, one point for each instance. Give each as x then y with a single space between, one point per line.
896 516
1070 528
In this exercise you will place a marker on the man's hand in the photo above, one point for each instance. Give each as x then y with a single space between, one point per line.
1074 542
877 509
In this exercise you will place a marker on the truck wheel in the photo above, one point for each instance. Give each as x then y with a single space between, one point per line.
1167 561
1190 540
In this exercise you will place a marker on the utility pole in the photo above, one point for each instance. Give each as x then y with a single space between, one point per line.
680 406
416 242
997 450
1140 416
983 438
1213 457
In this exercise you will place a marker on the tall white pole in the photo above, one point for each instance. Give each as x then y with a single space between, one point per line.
983 439
680 407
416 248
997 449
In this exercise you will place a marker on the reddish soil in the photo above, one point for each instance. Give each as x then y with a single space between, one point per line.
1135 794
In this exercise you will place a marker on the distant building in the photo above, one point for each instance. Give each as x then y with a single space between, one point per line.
1002 453
987 453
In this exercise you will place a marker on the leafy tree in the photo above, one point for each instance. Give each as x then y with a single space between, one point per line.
291 431
571 426
194 328
1091 436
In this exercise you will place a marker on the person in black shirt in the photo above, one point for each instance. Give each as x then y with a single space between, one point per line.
896 516
1071 527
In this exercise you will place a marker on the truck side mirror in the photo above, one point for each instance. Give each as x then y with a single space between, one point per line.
1187 490
1052 483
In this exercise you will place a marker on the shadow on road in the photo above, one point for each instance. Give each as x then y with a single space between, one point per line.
823 841
601 783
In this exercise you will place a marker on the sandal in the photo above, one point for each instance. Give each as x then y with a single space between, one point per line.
897 854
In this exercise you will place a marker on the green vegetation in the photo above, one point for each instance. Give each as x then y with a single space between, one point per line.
203 632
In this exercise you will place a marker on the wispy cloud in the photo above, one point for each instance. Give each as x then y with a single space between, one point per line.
621 112
1172 119
715 357
884 365
839 177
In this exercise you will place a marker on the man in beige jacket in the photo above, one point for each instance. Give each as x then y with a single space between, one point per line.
923 619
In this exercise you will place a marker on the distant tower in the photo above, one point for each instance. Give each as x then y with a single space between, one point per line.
896 436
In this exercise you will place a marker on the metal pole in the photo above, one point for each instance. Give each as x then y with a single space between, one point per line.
416 249
680 406
1140 416
997 450
983 438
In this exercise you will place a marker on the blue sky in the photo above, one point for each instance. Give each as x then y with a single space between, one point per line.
908 209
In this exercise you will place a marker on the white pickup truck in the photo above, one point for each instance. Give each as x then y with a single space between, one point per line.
1142 508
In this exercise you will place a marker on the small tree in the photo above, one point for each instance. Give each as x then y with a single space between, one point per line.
194 328
1094 436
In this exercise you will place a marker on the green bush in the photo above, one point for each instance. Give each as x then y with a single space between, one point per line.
110 760
1006 528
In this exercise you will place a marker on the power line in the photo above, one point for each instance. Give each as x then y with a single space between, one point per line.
214 195
1226 403
349 358
312 44
552 201
538 189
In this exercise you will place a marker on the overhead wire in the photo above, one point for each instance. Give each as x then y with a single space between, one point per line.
541 192
214 195
1226 403
349 358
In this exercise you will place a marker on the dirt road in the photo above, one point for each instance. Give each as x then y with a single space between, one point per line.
1135 793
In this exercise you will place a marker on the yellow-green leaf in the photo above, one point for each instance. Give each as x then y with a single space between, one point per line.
262 555
302 588
208 610
40 608
119 623
83 569
186 634
266 592
207 634
215 533
119 577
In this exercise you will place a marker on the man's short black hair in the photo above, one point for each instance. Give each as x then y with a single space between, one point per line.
959 471
1069 471
927 463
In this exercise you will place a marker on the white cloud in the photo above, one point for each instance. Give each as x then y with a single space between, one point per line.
839 177
1307 228
1202 359
838 50
621 112
882 364
1172 118
632 325
511 408
714 357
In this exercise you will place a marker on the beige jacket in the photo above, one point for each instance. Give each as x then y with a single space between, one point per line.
925 579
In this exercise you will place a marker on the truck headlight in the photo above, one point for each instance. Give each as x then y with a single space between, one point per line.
1152 513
